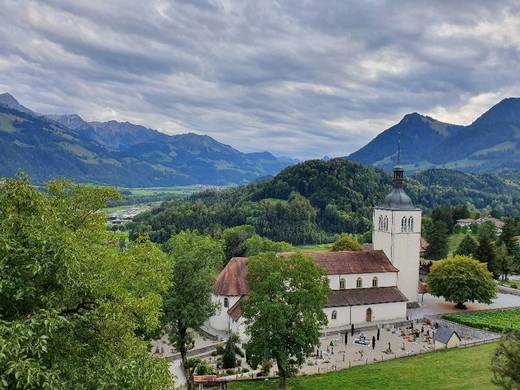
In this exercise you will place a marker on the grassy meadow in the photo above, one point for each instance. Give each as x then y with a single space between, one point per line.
459 369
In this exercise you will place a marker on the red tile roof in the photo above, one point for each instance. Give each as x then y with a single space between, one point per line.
352 262
233 278
235 311
364 296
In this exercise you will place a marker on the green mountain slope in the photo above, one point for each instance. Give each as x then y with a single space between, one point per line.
119 153
488 144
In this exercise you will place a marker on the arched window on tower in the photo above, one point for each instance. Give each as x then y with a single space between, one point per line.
403 224
410 224
226 302
385 223
374 281
380 222
334 315
342 284
359 283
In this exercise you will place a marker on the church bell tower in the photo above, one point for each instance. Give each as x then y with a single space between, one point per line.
397 231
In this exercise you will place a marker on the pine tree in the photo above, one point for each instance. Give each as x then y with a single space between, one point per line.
467 247
486 250
229 359
438 241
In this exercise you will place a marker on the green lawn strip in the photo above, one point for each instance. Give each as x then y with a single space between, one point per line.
497 321
510 283
314 248
467 368
454 241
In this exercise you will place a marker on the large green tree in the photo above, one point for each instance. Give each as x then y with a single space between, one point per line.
235 240
461 279
195 261
75 308
505 363
284 310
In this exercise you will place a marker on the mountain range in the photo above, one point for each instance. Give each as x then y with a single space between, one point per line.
119 153
488 144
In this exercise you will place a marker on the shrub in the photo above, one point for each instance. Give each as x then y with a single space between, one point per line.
220 349
230 371
266 367
203 368
513 285
347 243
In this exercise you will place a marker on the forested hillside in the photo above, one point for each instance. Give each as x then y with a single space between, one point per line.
312 201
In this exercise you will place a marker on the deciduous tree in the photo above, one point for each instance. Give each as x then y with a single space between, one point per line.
75 307
346 243
195 261
284 310
461 279
505 363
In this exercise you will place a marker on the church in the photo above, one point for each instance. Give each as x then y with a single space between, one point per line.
378 284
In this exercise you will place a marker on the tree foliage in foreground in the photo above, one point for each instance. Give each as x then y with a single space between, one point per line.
75 309
461 279
195 262
284 310
505 363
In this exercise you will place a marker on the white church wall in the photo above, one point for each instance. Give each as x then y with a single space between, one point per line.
239 328
401 247
221 320
346 315
380 312
384 279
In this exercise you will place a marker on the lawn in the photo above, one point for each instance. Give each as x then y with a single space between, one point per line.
496 321
314 248
467 368
454 241
510 283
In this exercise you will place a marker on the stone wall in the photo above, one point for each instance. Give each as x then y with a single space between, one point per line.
463 330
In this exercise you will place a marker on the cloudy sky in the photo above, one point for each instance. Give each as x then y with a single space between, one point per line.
298 78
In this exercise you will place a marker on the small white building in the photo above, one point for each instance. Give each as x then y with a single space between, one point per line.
445 337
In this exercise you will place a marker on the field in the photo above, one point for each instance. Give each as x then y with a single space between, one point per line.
314 248
150 196
496 321
467 368
181 191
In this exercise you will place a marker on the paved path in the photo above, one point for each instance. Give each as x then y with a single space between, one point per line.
433 305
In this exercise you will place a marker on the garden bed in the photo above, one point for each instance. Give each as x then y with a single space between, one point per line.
501 321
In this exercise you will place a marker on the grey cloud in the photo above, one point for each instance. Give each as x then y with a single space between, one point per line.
300 78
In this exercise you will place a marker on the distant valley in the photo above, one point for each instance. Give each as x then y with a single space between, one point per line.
119 153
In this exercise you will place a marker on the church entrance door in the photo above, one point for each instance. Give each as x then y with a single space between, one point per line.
369 315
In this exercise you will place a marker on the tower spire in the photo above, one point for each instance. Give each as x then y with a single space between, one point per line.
398 170
399 147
